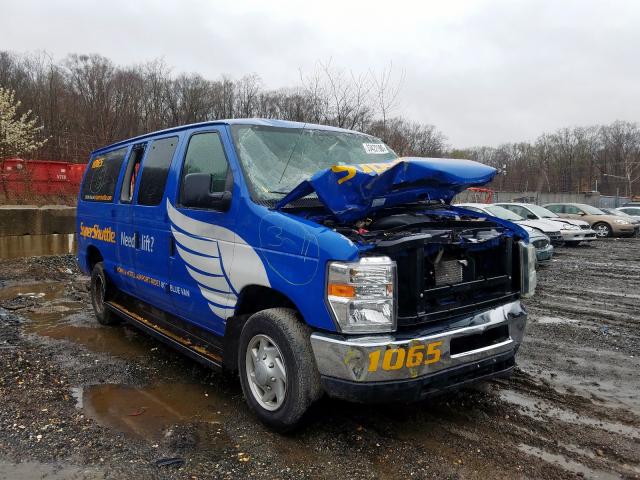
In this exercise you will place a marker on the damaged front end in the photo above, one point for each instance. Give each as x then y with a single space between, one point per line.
450 261
450 278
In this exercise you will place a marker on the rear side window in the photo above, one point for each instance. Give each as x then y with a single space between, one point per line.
155 170
570 209
554 208
131 174
205 154
102 176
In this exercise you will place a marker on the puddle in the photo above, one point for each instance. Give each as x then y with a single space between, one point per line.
33 470
148 412
40 291
536 408
16 246
83 329
50 315
566 463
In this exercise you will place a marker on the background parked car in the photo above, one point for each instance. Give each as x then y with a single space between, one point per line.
604 225
542 243
574 231
631 211
623 212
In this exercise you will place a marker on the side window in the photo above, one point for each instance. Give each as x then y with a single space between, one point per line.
554 208
632 211
573 210
130 175
155 170
205 154
518 210
102 175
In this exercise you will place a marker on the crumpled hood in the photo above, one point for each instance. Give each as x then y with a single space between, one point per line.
350 192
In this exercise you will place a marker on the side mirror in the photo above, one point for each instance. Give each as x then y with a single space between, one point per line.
582 214
196 193
531 216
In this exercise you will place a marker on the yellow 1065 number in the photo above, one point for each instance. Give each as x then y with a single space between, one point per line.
397 358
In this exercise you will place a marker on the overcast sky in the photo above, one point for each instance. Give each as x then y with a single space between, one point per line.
483 72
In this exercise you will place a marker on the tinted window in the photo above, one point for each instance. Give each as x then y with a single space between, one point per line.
102 176
518 210
554 208
205 154
572 210
632 211
130 175
155 171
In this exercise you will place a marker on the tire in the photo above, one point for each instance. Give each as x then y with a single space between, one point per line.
280 328
572 244
602 230
101 290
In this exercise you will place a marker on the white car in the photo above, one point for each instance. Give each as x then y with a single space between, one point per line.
549 228
573 232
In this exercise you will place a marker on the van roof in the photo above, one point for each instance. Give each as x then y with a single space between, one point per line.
233 121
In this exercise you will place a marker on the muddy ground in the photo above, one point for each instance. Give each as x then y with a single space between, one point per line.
82 401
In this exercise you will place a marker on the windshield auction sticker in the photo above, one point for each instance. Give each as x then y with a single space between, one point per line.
375 148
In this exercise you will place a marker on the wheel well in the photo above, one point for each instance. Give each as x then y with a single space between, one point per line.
93 256
252 299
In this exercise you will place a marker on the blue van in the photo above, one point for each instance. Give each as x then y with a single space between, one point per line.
309 259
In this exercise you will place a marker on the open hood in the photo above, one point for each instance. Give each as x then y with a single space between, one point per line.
350 192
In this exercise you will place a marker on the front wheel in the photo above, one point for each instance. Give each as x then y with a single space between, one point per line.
573 243
602 230
277 371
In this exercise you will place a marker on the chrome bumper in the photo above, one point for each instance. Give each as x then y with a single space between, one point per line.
578 235
352 358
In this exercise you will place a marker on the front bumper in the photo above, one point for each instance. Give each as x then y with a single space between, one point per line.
578 235
544 254
623 230
388 367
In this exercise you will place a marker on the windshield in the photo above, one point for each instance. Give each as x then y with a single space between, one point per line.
275 160
541 211
591 210
622 213
503 213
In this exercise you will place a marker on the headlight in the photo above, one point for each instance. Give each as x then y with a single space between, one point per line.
362 295
528 276
568 226
621 222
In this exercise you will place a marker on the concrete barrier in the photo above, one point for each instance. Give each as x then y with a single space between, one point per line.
31 220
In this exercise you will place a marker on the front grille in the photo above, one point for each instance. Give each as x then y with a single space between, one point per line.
440 281
542 243
448 272
555 237
585 227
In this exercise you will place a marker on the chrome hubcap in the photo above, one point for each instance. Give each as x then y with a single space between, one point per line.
266 372
602 231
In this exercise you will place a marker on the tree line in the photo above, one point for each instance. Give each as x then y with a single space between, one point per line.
86 101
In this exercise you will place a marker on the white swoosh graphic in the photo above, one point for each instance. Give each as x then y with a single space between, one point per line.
219 261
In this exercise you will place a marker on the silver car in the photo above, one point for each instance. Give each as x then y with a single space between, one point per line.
574 231
541 242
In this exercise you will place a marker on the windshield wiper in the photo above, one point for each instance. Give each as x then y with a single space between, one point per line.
277 192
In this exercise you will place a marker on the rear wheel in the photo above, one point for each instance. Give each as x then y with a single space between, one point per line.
602 230
277 370
101 289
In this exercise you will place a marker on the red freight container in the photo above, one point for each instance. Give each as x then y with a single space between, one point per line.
47 178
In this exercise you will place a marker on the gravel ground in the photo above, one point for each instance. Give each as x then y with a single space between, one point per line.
82 401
